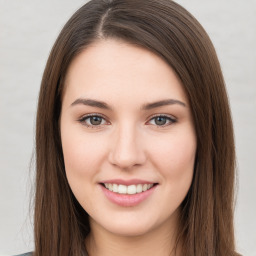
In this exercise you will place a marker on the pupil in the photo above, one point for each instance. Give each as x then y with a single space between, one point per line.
95 120
160 120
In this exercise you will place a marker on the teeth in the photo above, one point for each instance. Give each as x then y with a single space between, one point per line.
122 189
130 190
139 188
115 188
145 187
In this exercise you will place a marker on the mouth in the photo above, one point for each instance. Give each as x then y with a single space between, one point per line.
127 193
128 189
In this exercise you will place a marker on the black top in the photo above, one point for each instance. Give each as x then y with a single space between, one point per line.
30 254
25 254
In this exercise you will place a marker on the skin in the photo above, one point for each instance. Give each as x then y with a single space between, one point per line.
128 144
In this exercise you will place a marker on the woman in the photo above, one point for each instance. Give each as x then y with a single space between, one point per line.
134 139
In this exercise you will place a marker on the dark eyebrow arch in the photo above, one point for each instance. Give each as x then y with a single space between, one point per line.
103 105
92 103
162 103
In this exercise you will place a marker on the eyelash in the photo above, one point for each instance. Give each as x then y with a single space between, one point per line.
170 120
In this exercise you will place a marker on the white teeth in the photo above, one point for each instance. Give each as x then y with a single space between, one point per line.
115 188
145 187
130 190
122 189
139 188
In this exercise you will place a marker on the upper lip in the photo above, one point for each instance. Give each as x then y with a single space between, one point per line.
127 182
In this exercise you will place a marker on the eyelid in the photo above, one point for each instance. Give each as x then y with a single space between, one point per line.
84 117
167 116
171 118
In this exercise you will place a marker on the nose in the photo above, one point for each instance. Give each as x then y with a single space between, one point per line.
127 148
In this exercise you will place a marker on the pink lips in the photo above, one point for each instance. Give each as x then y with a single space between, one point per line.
124 199
127 182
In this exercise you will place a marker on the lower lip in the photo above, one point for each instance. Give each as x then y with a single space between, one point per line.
127 200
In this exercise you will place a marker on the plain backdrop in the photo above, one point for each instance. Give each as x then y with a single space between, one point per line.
28 30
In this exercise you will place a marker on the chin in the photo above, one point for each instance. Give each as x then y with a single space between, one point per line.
129 226
129 231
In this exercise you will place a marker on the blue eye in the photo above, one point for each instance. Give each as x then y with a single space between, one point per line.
162 120
93 120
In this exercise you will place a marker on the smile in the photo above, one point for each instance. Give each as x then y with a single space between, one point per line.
127 193
128 190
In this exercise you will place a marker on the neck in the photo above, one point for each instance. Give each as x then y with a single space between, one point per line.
160 241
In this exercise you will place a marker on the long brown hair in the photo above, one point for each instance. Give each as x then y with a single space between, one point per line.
168 30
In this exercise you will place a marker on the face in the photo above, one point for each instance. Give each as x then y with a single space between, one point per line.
128 138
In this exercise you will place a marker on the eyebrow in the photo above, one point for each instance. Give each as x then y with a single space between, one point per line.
162 103
148 106
92 103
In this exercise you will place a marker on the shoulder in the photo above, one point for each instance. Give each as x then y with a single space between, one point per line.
25 254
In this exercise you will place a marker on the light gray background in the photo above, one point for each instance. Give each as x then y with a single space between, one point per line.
28 30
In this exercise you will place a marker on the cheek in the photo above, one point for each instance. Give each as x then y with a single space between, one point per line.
81 153
82 160
174 157
174 161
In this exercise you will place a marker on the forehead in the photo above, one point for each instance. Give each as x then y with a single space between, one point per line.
111 67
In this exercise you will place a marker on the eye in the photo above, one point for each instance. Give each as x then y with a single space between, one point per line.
162 120
93 120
